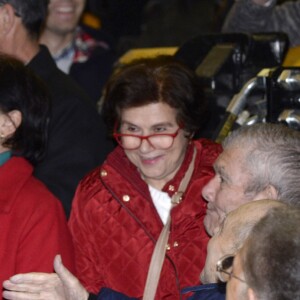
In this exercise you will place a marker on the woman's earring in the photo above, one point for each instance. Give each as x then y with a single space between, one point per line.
1 136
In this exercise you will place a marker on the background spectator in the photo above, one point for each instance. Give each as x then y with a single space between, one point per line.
78 51
77 135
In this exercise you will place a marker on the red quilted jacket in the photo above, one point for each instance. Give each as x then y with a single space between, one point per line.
115 226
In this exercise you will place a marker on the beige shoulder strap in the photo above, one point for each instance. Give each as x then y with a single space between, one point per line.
158 255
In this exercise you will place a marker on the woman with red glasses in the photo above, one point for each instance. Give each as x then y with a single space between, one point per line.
154 107
137 221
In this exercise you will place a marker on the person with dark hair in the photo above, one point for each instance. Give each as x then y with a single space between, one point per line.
153 107
33 224
268 265
83 53
77 136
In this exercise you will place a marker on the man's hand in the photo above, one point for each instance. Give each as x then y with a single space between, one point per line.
61 285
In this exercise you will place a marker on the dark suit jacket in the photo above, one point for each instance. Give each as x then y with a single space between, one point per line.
77 135
93 73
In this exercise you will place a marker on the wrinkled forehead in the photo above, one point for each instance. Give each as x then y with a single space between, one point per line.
231 161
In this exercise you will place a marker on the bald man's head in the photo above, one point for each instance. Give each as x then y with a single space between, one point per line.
232 233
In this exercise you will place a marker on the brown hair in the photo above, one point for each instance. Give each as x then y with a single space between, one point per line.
152 80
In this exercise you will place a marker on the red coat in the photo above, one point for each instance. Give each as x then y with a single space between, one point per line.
115 225
33 224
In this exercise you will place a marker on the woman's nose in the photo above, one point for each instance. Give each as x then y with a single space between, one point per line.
145 145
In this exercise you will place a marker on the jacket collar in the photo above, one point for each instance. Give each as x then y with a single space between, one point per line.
43 58
13 175
119 161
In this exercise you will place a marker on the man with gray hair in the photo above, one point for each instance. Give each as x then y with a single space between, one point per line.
258 162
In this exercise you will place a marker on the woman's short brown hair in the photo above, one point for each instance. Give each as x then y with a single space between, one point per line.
152 80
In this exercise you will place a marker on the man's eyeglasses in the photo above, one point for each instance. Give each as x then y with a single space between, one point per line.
162 141
224 269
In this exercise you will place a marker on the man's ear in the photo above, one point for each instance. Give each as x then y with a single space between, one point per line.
7 18
271 192
12 121
251 294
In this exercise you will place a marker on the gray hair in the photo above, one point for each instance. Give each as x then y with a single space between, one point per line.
271 255
32 12
272 157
